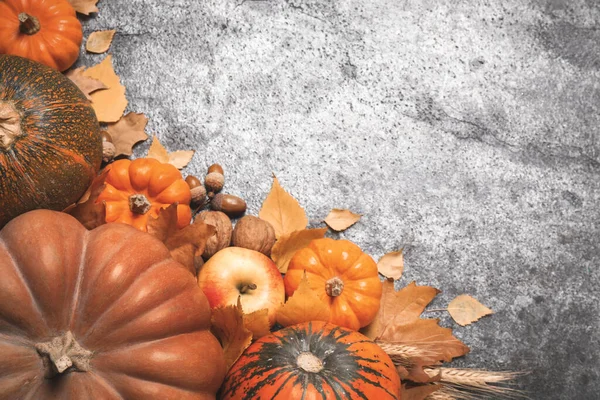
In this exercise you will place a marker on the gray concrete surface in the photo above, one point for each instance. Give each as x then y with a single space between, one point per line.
466 132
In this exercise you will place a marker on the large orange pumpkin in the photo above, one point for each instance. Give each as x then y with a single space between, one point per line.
102 314
46 31
343 277
50 145
138 189
313 360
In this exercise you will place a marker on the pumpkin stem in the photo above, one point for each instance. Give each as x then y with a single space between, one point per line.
10 124
29 25
334 286
245 288
139 204
63 353
308 362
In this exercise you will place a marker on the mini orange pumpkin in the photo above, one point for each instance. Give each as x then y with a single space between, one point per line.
138 189
41 30
343 277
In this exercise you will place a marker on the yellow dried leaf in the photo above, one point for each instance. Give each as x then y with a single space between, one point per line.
109 104
282 211
418 392
85 7
303 306
465 310
128 131
286 246
89 213
99 42
179 158
228 327
340 220
391 265
86 84
257 322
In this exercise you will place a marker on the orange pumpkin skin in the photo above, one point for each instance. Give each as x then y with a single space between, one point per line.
161 184
142 323
50 145
46 31
324 260
313 360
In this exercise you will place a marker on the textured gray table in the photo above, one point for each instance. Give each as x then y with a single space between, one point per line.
466 132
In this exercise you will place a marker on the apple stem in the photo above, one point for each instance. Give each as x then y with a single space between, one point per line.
245 288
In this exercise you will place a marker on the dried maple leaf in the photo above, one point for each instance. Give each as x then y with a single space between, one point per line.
99 42
257 322
179 158
89 213
184 244
412 342
465 310
303 306
109 104
418 392
282 211
391 265
287 245
85 7
128 131
340 220
228 327
399 307
86 84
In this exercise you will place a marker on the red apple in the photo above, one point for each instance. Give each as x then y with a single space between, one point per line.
234 272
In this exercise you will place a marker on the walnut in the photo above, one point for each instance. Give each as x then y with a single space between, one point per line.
222 237
254 233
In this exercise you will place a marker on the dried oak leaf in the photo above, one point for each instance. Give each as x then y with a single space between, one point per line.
85 7
465 310
108 104
257 322
391 265
228 327
303 306
179 158
89 213
420 392
99 41
412 342
129 130
185 243
340 220
287 245
282 211
86 84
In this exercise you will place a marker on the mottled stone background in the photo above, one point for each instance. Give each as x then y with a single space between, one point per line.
466 132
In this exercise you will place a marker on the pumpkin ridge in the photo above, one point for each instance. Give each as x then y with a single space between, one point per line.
105 382
34 300
109 308
77 290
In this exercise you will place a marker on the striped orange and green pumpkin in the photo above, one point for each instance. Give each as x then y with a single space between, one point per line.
313 360
50 145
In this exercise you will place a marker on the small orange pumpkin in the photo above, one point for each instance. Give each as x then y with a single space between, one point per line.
41 30
135 190
343 277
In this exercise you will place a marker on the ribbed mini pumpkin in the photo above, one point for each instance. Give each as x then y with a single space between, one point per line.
344 278
313 360
50 145
101 314
46 31
138 189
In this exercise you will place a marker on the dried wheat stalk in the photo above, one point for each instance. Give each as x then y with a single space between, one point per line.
471 384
